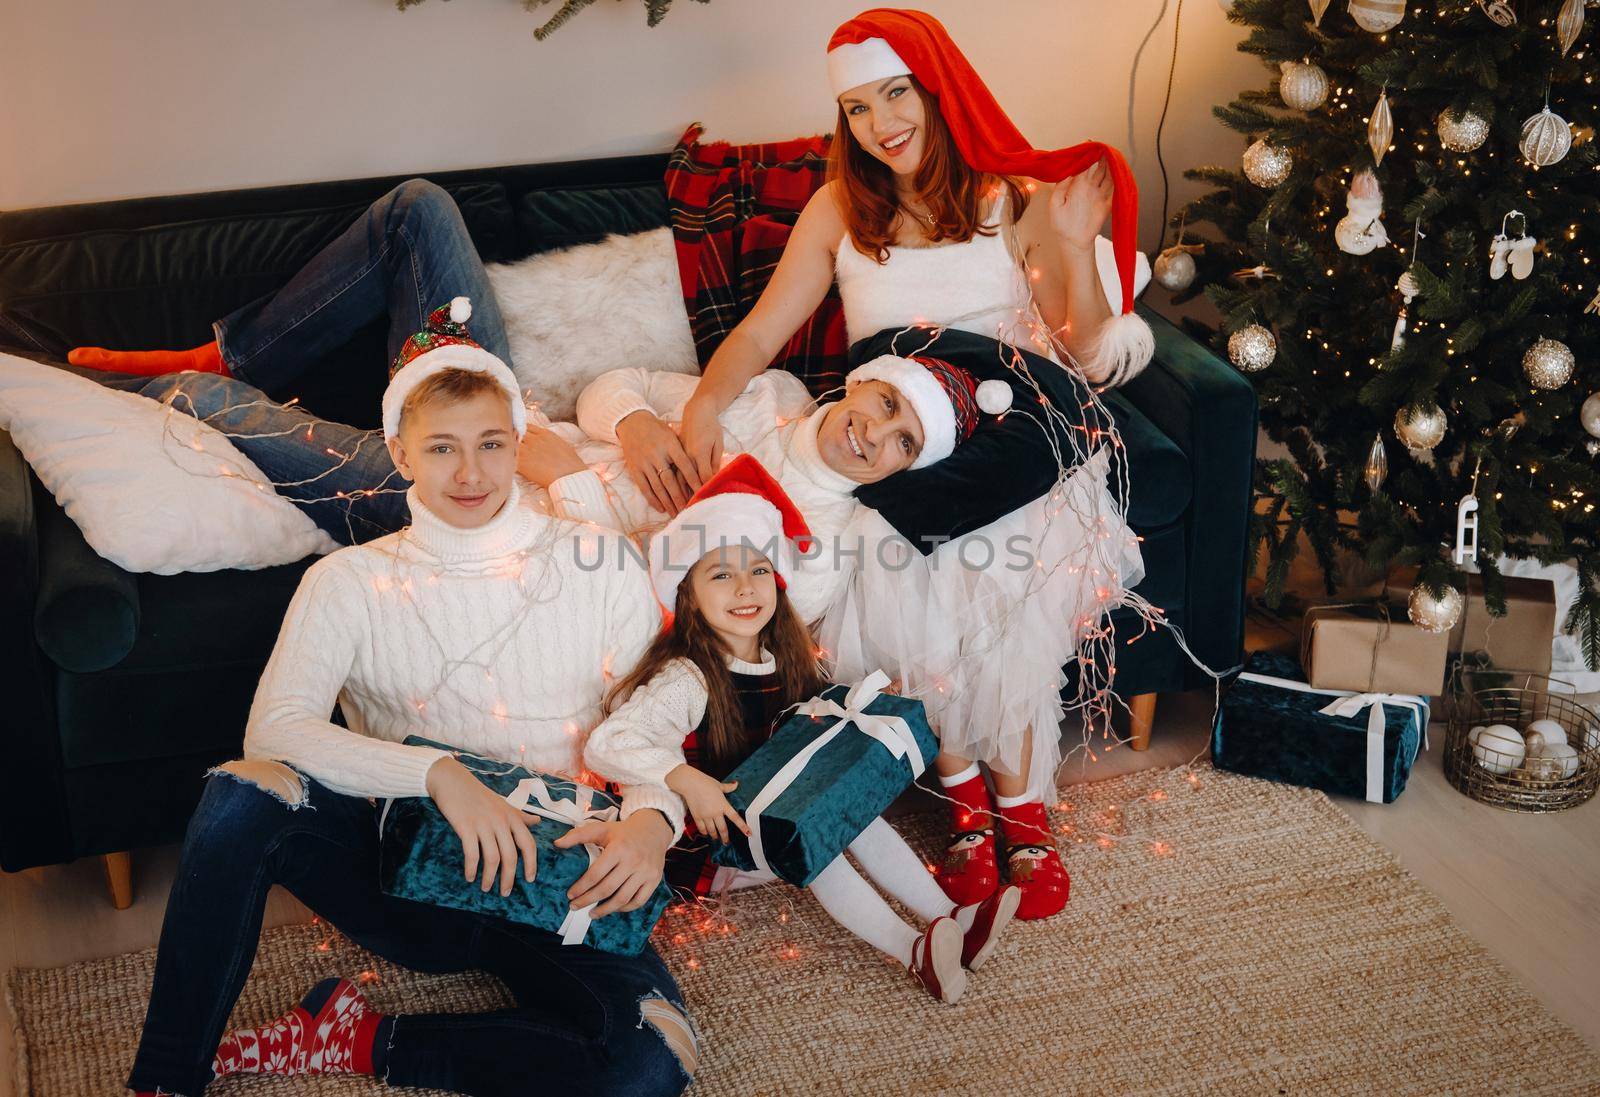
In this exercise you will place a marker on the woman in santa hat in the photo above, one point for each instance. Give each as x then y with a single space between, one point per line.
938 211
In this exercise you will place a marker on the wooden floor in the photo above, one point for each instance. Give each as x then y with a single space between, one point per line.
1527 887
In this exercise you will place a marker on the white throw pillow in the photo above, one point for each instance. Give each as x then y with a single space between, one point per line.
151 488
573 314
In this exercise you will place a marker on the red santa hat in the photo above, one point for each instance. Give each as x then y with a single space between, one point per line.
946 397
741 505
886 42
443 343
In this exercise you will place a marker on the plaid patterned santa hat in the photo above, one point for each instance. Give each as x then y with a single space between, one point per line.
886 42
741 505
946 397
443 343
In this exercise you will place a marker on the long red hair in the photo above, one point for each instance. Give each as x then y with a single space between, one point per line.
944 182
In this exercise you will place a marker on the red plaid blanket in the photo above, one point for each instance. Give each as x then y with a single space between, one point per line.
733 207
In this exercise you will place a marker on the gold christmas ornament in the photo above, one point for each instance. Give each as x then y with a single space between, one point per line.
1317 8
1377 470
1548 364
1377 16
1546 138
1420 427
1502 13
1265 165
1380 128
1569 24
1174 269
1302 85
1462 132
1589 414
1434 614
1252 348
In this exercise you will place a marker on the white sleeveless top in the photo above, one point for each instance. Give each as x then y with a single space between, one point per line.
976 286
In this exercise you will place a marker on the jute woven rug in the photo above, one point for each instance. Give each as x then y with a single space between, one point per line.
1225 936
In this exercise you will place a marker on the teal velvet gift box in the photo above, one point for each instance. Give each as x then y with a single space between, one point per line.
1273 725
420 858
826 772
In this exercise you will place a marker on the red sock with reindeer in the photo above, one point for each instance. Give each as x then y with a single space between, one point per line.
1032 861
970 871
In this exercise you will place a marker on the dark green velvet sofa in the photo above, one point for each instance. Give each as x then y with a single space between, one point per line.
121 689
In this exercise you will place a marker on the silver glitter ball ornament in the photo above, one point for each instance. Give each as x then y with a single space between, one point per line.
1546 139
1589 414
1420 427
1173 269
1593 446
1433 614
1266 165
1252 348
1548 364
1462 132
1302 85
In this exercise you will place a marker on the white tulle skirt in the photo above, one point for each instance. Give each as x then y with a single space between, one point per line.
980 629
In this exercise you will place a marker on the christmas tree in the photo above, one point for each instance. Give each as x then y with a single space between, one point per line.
1447 346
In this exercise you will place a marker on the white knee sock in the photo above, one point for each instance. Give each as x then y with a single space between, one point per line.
855 906
896 868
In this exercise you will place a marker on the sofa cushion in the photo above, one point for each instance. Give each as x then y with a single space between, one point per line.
1158 471
562 217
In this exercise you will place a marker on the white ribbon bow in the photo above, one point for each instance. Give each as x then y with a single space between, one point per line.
533 795
1346 704
892 731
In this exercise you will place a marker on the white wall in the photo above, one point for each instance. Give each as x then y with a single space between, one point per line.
109 98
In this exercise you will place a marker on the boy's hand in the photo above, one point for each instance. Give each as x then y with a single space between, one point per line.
657 462
544 457
707 801
492 832
633 854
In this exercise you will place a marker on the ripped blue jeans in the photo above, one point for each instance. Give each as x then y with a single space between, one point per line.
580 1019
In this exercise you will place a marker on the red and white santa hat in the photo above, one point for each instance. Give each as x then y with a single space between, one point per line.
741 505
443 343
946 397
886 42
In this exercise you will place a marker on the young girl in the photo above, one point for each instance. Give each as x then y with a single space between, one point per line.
705 694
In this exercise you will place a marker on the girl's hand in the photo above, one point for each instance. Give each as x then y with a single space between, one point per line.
702 438
706 799
657 462
1079 207
492 832
545 457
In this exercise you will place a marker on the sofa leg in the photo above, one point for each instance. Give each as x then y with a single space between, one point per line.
119 878
1143 713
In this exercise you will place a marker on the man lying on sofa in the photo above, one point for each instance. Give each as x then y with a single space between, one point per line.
478 625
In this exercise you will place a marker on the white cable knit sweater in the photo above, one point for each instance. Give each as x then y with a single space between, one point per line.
772 420
498 640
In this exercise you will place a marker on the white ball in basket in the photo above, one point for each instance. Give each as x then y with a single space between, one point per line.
1560 757
1498 748
1543 733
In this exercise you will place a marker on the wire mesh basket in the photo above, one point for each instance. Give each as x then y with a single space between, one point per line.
1491 768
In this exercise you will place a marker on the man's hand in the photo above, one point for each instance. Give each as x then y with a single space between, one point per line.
657 462
492 832
545 457
633 854
702 437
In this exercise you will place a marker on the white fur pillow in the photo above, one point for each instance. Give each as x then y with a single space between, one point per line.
152 489
571 315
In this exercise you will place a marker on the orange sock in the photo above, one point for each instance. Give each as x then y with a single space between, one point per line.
206 358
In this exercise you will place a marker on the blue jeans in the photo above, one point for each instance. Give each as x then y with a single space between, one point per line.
407 255
576 1027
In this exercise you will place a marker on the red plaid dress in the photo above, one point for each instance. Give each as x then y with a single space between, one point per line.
733 207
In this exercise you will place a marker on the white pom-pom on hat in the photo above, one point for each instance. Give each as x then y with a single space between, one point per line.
461 310
994 396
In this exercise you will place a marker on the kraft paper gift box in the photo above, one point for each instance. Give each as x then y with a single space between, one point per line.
827 771
1274 725
420 857
1521 640
1362 648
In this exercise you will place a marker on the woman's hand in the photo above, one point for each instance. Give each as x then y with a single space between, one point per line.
702 437
545 457
1079 207
657 462
707 801
633 854
492 832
